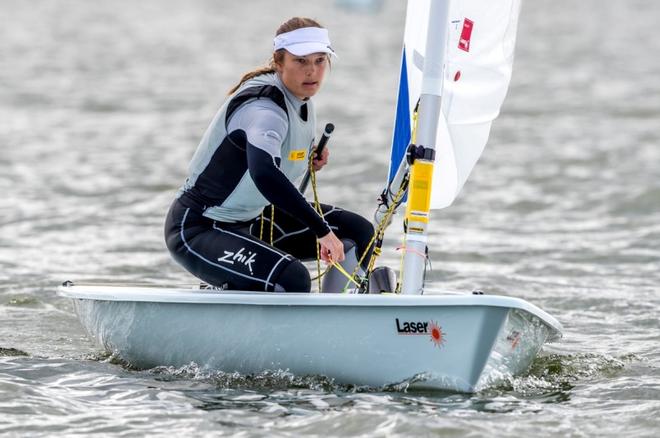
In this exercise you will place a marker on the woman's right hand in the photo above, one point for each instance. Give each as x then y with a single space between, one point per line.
332 249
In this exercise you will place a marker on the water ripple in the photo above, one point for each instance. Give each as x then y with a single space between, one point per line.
99 113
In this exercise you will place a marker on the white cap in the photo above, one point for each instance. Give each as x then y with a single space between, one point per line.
304 41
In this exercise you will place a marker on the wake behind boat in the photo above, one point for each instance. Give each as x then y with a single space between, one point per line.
436 341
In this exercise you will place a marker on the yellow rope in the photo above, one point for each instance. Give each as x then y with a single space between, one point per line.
413 138
317 207
351 278
322 273
372 262
272 222
413 135
261 227
379 232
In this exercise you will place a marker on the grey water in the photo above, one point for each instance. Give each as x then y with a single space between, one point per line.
103 103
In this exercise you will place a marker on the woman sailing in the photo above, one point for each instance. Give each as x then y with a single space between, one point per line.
239 222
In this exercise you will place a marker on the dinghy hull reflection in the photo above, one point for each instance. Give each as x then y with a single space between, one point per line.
450 342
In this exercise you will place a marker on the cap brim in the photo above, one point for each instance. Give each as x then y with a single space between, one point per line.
304 49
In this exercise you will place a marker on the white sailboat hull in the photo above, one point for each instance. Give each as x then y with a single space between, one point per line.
453 342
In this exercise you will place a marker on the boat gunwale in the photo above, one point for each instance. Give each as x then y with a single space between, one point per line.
198 296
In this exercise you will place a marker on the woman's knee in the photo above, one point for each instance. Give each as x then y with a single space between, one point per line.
355 227
293 278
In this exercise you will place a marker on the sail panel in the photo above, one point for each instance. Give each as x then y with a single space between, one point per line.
402 121
479 57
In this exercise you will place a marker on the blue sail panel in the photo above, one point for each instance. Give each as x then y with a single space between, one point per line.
402 129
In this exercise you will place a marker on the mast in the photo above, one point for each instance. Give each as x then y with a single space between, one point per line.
421 172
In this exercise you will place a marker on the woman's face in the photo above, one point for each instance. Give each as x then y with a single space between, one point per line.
303 75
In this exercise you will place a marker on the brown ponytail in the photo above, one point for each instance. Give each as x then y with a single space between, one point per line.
278 56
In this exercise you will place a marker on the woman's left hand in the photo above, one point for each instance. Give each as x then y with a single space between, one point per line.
332 249
318 164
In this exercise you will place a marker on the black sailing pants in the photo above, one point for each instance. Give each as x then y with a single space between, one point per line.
232 255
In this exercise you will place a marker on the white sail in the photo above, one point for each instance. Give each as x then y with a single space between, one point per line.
479 56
